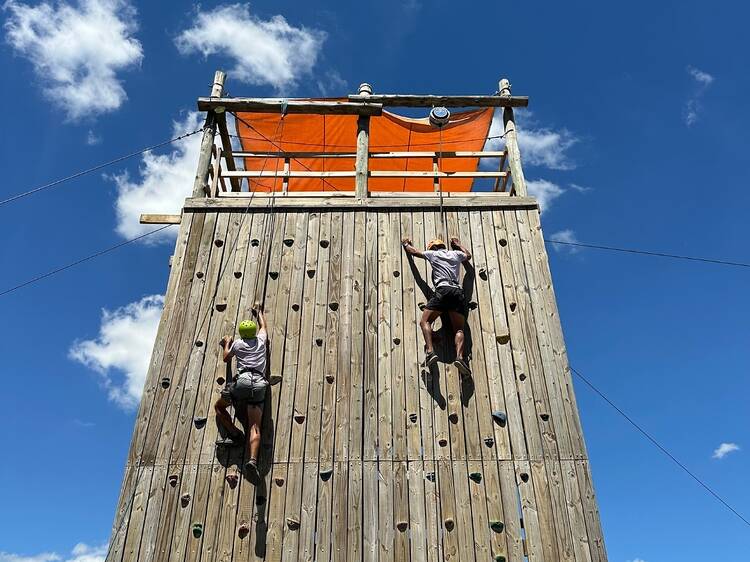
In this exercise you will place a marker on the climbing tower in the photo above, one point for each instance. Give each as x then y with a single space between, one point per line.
366 454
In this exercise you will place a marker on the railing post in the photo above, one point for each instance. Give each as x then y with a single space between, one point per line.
511 143
209 132
362 162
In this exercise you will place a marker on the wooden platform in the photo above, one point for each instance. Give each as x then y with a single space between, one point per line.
365 454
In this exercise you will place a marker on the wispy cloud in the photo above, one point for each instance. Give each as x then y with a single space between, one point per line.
580 188
80 553
702 80
568 237
121 353
268 51
637 560
544 191
331 84
92 139
724 449
77 50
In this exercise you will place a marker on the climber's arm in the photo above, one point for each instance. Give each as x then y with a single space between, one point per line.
411 250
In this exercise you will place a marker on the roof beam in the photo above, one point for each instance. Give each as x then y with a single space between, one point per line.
278 105
398 100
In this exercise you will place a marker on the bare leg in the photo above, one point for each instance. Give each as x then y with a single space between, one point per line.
457 321
223 417
428 317
254 419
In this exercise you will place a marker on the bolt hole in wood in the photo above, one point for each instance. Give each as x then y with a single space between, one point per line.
396 273
396 341
219 242
329 379
503 242
199 274
295 307
319 342
237 274
311 273
198 343
524 477
334 306
522 377
324 243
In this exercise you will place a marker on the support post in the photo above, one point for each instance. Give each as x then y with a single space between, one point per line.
209 132
511 143
362 161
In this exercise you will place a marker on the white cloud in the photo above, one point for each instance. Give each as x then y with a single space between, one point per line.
263 51
77 50
568 236
80 553
693 105
545 192
92 139
126 337
332 84
580 188
164 182
724 449
637 560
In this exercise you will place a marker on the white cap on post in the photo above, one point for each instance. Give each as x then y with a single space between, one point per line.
365 89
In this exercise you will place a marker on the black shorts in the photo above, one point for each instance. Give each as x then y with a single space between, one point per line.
447 299
242 391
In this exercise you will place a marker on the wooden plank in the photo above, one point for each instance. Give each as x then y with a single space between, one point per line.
494 511
545 512
288 106
226 143
448 512
478 495
370 373
591 512
575 511
400 523
385 421
369 523
339 513
307 512
355 530
511 510
361 163
559 510
409 100
147 218
372 174
385 510
196 513
358 349
276 523
373 154
239 201
525 487
464 520
292 513
416 509
207 141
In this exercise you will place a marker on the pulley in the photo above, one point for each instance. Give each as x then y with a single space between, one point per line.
439 116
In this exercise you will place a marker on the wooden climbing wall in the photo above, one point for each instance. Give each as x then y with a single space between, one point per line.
365 455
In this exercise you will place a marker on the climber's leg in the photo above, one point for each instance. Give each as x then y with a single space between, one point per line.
425 323
457 322
223 417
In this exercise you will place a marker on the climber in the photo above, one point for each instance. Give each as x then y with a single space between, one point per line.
447 298
248 389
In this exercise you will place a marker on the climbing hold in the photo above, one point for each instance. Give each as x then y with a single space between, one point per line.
524 477
545 417
165 382
489 441
288 242
449 524
483 274
396 273
502 338
325 475
430 476
324 243
198 343
443 442
260 500
413 418
199 422
220 381
292 523
254 242
497 526
243 530
311 273
219 242
237 274
295 307
503 242
402 526
473 305
273 274
221 306
197 530
499 558
396 341
522 377
279 481
421 305
329 378
299 418
199 275
453 417
475 477
512 307
501 418
173 480
184 500
232 479
319 342
333 306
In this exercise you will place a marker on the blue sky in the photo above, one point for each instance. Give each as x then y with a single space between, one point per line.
636 136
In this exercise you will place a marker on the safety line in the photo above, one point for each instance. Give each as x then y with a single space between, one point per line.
660 446
95 168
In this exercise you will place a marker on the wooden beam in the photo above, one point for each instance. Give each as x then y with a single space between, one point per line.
277 105
207 142
354 174
226 143
147 218
397 100
306 204
511 143
362 162
379 155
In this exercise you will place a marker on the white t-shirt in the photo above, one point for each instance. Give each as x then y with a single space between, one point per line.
251 353
446 266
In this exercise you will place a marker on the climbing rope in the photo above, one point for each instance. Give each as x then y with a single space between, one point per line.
443 218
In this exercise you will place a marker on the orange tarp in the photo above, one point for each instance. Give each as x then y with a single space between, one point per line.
267 132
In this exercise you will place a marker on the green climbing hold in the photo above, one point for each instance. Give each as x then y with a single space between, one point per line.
476 477
197 530
497 526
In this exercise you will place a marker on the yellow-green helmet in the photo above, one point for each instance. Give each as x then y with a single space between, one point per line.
248 329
